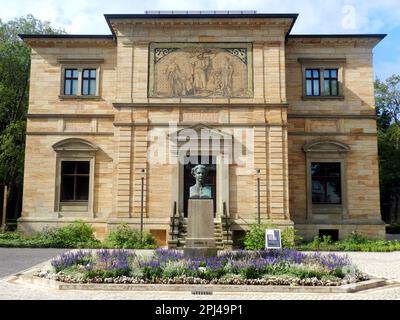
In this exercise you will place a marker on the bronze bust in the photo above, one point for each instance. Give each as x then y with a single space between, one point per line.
199 172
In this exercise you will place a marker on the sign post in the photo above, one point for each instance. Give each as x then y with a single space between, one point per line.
273 239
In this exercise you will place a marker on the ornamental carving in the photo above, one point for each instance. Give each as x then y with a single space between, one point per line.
200 70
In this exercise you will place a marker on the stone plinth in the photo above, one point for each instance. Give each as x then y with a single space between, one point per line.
200 238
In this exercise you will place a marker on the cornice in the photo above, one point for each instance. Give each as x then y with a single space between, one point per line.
200 105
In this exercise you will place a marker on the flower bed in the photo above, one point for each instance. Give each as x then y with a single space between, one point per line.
278 267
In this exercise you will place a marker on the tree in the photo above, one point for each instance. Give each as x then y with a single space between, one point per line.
387 99
14 87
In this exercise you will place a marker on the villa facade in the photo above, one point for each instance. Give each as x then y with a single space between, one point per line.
116 122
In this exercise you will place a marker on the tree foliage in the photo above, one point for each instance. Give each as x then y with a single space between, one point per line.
14 90
387 99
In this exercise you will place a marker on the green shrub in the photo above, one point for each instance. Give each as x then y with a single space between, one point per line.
353 242
76 235
126 238
9 235
254 238
356 238
174 269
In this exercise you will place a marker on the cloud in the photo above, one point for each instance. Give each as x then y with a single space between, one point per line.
321 16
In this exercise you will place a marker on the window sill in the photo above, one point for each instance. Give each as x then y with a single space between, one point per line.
322 98
327 208
72 97
73 207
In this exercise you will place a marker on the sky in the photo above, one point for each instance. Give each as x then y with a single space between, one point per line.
315 17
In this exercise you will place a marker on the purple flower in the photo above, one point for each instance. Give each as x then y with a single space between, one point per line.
153 263
71 258
166 255
113 259
330 261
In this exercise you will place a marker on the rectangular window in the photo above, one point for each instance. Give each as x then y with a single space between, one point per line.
75 181
326 183
71 82
331 82
312 82
89 82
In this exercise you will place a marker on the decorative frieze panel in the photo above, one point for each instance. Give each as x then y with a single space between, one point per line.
200 70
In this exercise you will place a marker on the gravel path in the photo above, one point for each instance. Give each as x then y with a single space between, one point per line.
379 264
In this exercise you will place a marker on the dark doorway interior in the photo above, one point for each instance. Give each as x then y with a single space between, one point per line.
189 180
333 233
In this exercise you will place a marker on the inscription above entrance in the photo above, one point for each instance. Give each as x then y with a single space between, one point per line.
200 70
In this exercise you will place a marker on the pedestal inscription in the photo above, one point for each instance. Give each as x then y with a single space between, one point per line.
200 223
200 240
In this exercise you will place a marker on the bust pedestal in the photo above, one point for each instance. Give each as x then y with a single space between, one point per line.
200 240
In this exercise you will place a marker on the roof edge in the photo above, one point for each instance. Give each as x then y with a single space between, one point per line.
299 36
66 36
202 16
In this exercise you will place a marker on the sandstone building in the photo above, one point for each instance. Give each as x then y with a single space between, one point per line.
299 108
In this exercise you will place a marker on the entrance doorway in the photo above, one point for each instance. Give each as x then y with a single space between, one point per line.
189 180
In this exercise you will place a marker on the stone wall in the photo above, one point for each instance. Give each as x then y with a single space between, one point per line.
119 119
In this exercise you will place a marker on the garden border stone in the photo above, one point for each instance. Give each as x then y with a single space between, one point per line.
28 277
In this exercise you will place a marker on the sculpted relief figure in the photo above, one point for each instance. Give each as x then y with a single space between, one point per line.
227 77
176 79
199 190
201 65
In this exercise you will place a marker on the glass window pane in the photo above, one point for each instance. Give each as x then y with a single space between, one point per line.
308 87
85 73
326 73
74 87
316 87
67 88
75 73
334 73
67 167
93 73
85 89
308 73
326 182
92 87
82 188
83 167
332 169
318 192
334 87
68 73
326 87
316 73
333 192
67 188
315 168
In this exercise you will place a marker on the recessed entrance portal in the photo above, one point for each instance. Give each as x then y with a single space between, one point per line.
189 180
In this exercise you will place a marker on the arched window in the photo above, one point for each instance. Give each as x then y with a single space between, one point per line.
326 179
74 176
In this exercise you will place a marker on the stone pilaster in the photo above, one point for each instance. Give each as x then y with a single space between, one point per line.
124 162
